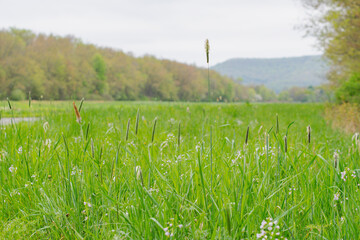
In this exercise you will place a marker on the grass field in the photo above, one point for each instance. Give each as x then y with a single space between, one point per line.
64 180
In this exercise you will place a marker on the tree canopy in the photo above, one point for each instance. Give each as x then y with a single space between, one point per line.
336 25
60 68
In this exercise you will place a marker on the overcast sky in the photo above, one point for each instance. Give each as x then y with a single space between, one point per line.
171 29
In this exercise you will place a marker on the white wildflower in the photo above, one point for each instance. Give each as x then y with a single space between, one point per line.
12 169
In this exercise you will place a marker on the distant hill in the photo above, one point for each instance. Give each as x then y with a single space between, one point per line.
276 73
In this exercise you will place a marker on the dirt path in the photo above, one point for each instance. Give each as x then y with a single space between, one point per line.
6 121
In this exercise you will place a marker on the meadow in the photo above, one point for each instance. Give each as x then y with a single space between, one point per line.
146 170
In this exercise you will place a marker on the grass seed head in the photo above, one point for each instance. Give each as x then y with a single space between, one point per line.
308 129
336 159
207 49
139 176
247 135
78 117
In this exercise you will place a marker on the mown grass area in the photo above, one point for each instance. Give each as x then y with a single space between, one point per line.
64 180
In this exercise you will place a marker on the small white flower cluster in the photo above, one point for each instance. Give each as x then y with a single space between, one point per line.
337 197
77 139
172 121
291 189
269 229
76 171
169 231
14 192
28 184
12 169
88 204
265 150
345 174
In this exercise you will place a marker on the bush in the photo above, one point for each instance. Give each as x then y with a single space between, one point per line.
349 91
17 95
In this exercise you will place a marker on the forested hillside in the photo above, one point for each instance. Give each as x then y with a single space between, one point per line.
277 73
60 68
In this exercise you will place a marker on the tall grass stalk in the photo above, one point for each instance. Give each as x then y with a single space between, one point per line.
81 104
211 159
207 51
127 130
153 131
137 121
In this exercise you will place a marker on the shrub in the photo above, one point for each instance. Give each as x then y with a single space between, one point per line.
349 91
17 95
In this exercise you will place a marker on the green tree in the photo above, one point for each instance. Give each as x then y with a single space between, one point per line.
336 25
99 66
349 90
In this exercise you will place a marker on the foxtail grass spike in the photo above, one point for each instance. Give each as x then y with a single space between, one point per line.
336 159
207 50
308 134
29 98
81 104
247 135
9 103
153 132
285 143
137 121
78 117
127 130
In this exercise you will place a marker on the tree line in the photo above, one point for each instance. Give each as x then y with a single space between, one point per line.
61 68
